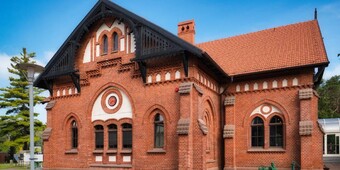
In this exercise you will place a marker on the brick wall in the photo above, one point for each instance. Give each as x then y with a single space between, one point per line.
194 150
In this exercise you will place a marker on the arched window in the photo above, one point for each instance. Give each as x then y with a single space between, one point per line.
257 132
159 131
127 135
276 131
105 44
114 41
112 136
99 136
74 131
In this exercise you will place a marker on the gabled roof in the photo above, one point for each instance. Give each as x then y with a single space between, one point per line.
289 46
62 63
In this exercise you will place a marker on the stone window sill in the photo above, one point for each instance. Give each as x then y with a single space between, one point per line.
97 151
111 165
126 151
111 151
210 161
156 150
72 151
271 149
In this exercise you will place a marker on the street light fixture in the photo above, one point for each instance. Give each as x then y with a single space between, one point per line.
31 70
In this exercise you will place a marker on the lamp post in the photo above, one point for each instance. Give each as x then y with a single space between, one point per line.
31 69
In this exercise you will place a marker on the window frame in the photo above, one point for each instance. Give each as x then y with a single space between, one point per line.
115 42
74 134
125 131
159 136
96 132
275 136
105 44
257 125
110 132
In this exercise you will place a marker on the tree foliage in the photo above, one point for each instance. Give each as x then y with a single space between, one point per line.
14 126
329 102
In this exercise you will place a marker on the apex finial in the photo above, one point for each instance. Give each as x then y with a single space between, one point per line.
315 14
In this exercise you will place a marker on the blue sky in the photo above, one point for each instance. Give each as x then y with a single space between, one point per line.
43 25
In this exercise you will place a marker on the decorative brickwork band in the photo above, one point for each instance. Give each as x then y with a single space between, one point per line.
306 128
186 87
228 131
203 126
46 134
183 126
305 93
50 105
230 100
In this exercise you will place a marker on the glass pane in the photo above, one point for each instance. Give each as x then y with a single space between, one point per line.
276 135
113 139
260 131
115 41
254 131
337 145
257 121
74 137
159 136
99 140
127 139
112 126
276 119
105 44
261 141
126 126
99 127
331 144
253 141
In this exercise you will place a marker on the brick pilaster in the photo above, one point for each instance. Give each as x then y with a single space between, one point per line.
188 155
229 133
309 134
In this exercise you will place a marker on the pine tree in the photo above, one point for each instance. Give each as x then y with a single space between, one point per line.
329 102
14 126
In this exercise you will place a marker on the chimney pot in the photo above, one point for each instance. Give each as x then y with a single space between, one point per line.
186 31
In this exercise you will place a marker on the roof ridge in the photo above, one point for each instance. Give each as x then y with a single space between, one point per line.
255 32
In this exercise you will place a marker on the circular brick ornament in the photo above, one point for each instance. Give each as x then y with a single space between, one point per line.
111 101
266 109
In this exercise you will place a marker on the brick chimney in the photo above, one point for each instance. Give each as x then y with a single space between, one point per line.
186 31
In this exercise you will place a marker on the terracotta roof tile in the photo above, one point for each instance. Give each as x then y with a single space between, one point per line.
287 46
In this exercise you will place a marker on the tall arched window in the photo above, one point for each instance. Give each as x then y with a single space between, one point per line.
114 41
74 131
159 131
105 44
99 136
127 135
276 131
257 132
112 136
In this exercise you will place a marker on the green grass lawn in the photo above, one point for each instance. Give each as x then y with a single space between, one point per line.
13 166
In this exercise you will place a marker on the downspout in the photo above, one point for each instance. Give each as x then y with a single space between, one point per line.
222 111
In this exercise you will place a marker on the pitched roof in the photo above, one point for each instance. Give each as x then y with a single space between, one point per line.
62 63
289 46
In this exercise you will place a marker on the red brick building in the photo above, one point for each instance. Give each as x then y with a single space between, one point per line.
128 94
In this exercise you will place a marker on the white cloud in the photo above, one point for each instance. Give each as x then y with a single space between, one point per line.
330 72
5 62
332 9
43 60
48 55
40 108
